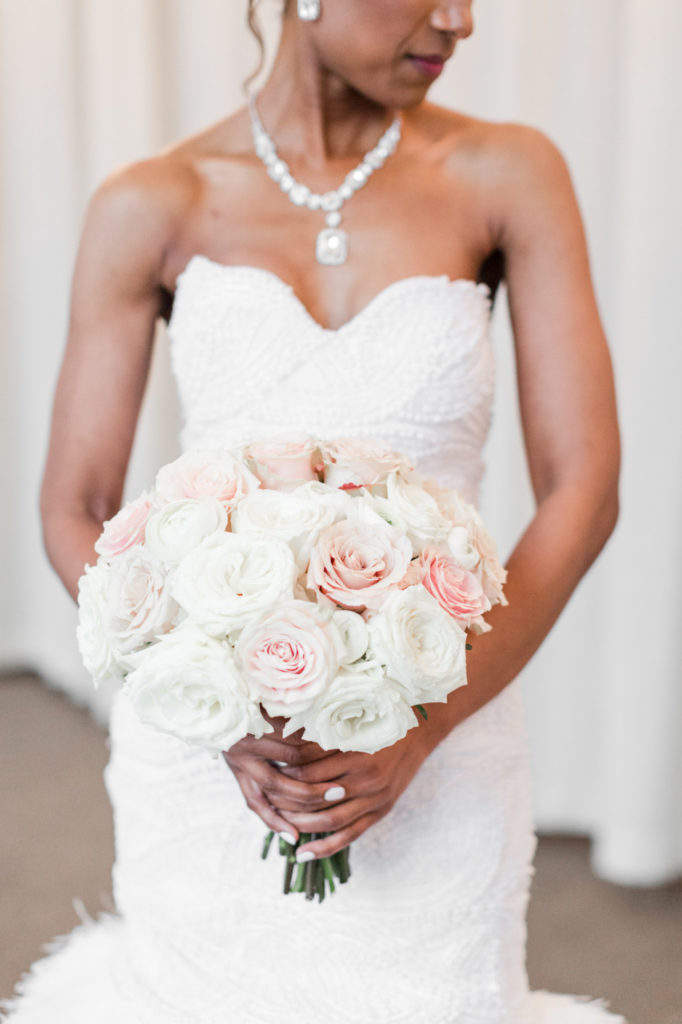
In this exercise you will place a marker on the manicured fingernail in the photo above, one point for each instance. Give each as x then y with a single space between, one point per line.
281 764
288 838
335 793
304 855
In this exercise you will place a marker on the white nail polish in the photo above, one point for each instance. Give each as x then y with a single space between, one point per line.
288 838
335 793
305 855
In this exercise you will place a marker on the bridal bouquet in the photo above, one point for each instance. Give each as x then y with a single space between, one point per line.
324 581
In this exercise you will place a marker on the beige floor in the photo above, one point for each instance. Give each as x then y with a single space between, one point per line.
585 936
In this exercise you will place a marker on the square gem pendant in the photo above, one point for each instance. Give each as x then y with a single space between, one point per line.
308 10
332 246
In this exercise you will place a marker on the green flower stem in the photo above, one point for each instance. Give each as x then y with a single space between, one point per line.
288 872
328 872
342 864
334 861
299 884
345 856
312 872
267 844
310 879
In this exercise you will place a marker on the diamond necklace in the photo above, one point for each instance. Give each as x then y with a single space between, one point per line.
332 242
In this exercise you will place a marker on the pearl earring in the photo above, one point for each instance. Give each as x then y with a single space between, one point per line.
309 10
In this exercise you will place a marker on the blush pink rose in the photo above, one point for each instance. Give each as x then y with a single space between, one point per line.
126 529
289 656
352 462
356 564
284 463
457 590
206 473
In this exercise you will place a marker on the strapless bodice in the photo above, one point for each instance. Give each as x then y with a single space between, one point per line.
414 367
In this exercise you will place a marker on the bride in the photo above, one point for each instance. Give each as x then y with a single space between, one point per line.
327 258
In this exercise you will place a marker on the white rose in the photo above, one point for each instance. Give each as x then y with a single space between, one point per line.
140 606
353 631
99 656
462 549
333 500
452 504
415 511
294 517
384 508
290 655
230 578
180 526
188 685
361 710
492 573
422 647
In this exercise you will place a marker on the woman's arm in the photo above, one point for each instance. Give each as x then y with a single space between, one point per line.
570 427
116 299
568 413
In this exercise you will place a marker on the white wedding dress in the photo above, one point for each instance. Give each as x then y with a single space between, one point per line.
431 927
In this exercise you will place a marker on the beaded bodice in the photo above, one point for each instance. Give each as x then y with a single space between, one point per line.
414 367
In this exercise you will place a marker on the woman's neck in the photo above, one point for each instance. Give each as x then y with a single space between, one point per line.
312 113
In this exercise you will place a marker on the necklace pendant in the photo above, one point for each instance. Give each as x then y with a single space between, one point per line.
332 246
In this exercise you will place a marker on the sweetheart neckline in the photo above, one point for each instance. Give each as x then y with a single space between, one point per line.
480 286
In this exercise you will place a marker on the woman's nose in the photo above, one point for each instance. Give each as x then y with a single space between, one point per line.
453 16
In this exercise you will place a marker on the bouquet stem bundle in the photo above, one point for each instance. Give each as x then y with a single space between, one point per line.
314 876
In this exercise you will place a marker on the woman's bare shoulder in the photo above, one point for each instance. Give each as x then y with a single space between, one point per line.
145 205
516 172
500 150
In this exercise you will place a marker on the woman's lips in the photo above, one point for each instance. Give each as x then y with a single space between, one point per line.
430 66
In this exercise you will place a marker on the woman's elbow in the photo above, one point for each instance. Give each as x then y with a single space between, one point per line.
607 503
610 512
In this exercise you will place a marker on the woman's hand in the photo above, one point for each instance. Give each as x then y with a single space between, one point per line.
345 793
254 764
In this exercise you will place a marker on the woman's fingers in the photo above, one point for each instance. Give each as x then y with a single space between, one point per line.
272 749
259 804
330 768
336 818
344 837
288 794
321 802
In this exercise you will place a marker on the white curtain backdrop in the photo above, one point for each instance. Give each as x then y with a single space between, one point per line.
86 85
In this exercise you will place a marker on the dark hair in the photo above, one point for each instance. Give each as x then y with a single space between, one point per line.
254 26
